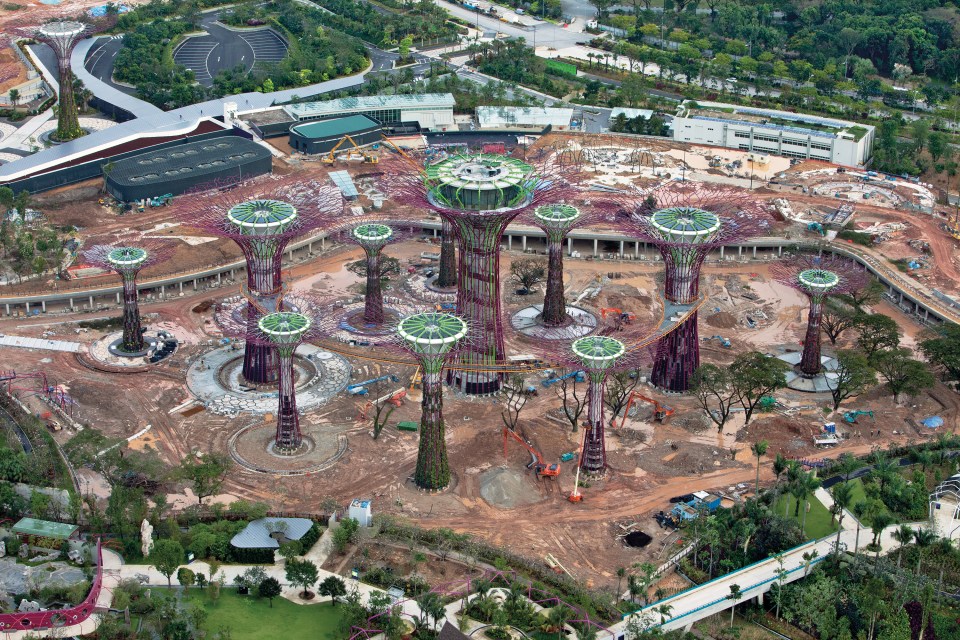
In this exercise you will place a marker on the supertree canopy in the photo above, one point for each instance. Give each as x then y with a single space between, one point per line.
261 217
128 261
286 330
818 277
685 222
556 220
432 338
478 194
62 36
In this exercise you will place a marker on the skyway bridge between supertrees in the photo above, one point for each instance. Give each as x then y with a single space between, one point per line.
686 221
478 195
261 217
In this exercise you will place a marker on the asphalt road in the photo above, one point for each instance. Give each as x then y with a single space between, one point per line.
100 62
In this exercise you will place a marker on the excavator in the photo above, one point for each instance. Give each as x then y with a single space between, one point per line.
622 315
368 157
660 411
541 468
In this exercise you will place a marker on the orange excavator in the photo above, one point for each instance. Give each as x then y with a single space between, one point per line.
660 411
620 314
575 495
541 468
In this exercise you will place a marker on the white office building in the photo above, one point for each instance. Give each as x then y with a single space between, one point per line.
945 508
524 118
770 131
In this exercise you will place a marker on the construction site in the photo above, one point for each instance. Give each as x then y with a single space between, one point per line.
568 428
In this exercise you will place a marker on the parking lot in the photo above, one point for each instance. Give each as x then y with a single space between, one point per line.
224 48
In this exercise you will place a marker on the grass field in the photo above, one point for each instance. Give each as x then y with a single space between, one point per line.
860 496
250 618
818 520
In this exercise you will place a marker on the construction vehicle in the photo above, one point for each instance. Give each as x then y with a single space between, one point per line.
368 157
723 341
445 307
851 416
625 316
360 388
397 398
541 468
578 376
817 228
660 411
828 436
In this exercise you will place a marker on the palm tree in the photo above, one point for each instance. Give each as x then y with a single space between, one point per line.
859 511
621 573
779 466
735 595
633 586
923 538
879 522
557 619
903 535
842 497
808 559
758 449
781 576
665 611
808 484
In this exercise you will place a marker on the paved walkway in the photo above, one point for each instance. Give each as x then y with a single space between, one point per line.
40 343
19 139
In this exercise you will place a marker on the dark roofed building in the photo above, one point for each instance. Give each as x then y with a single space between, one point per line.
174 170
322 136
450 632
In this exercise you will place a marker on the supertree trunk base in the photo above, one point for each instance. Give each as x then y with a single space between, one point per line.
678 356
260 363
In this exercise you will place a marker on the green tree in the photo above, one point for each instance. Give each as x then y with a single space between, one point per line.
334 587
270 589
302 573
166 557
14 96
290 549
903 535
759 449
186 577
207 473
902 373
877 332
896 626
853 376
941 346
756 375
716 392
923 538
735 596
346 533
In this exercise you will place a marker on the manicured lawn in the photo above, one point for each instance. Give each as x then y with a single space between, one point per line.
251 618
860 496
818 520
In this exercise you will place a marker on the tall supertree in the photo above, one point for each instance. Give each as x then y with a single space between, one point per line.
685 222
62 36
479 195
557 220
261 217
432 338
447 276
372 237
128 261
818 277
286 330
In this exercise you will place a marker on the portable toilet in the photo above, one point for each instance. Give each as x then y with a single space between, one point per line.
362 512
830 427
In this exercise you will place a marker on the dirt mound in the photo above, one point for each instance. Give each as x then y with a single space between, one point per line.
722 320
507 488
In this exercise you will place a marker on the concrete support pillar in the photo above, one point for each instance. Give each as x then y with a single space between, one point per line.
194 284
8 308
181 286
779 251
636 249
27 305
754 251
91 302
760 598
163 291
231 274
621 248
310 247
509 242
721 253
569 246
436 232
739 251
43 305
323 243
218 277
595 247
524 239
118 297
71 304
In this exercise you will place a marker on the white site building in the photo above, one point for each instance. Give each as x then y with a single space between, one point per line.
945 508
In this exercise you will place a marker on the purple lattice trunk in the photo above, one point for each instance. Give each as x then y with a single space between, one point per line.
260 359
554 302
433 470
478 299
373 300
678 356
288 422
810 360
132 332
594 459
448 257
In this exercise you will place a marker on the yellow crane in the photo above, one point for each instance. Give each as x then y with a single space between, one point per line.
368 156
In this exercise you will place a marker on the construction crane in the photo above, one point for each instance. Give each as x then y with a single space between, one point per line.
541 468
576 375
359 388
368 157
575 495
625 316
386 142
851 416
660 411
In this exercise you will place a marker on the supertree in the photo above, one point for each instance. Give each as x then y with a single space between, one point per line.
556 220
62 35
818 277
685 222
432 338
447 276
128 261
372 237
261 217
286 330
479 195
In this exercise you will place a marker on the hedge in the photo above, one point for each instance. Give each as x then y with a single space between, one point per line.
310 537
252 556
